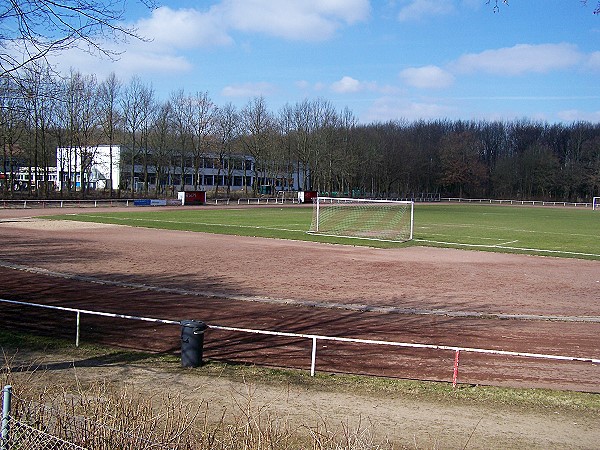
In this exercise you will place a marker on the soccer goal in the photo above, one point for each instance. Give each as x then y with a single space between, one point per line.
596 203
382 220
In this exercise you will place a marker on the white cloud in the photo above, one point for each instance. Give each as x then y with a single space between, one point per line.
418 9
319 86
573 115
309 20
520 59
248 90
305 85
302 84
167 33
393 108
347 84
350 10
593 61
170 32
427 77
134 61
183 28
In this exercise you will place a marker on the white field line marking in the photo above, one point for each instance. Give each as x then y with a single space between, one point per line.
195 223
307 303
523 249
505 243
352 237
480 238
516 230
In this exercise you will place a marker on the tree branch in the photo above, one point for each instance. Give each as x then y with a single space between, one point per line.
32 29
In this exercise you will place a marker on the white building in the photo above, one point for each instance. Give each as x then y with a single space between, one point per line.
93 162
34 177
237 172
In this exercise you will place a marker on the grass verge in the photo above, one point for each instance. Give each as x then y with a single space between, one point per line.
24 344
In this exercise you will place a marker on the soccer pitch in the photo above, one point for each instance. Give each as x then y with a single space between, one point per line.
550 231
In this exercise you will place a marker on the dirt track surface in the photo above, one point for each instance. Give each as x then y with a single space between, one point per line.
417 294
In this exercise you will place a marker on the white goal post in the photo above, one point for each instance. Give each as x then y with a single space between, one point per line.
382 220
596 203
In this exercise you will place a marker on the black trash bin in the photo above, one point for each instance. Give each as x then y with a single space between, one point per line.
192 342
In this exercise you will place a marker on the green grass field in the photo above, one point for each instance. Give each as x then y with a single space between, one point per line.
561 232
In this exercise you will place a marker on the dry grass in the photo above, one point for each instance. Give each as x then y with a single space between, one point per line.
106 417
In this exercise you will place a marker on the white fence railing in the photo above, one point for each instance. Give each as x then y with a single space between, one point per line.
249 201
515 202
265 200
34 203
37 203
315 338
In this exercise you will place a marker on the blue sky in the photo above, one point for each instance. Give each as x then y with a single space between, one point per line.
385 60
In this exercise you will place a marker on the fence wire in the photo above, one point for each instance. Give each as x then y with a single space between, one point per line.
24 436
38 426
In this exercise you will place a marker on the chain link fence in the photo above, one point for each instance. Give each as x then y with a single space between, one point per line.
21 436
27 424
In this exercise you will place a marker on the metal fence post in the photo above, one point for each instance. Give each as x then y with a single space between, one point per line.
313 359
78 327
6 399
455 372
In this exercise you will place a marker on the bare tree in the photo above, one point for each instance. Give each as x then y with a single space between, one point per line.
227 129
89 123
285 126
596 10
258 125
302 132
496 7
40 88
108 99
135 103
149 109
12 127
79 117
343 157
33 29
322 120
161 140
182 111
202 125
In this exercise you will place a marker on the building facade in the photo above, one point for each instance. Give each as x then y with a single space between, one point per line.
234 172
89 166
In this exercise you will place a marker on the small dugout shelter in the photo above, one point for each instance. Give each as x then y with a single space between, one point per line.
192 197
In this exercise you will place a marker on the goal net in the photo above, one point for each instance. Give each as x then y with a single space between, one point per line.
596 203
383 220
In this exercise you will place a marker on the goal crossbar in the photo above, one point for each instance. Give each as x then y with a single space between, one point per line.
596 203
381 220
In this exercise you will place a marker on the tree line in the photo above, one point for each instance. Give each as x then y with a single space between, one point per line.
328 149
